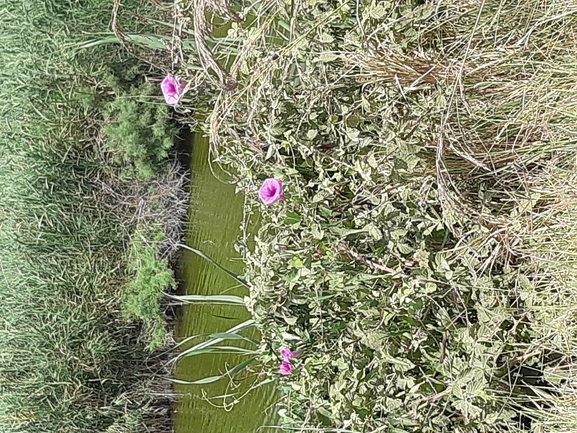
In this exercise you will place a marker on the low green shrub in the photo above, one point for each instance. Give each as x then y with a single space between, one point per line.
138 131
151 277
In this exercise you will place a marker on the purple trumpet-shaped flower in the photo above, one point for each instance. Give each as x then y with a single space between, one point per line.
271 191
172 89
288 354
286 368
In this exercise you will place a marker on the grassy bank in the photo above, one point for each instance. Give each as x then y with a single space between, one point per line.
424 256
83 217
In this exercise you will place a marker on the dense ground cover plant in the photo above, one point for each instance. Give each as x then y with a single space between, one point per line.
137 132
152 277
69 361
424 256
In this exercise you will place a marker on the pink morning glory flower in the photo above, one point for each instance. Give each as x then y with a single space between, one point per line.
286 368
271 191
172 89
288 354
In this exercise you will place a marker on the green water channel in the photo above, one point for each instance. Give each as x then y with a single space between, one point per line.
215 215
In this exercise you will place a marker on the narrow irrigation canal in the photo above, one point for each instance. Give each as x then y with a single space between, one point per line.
215 215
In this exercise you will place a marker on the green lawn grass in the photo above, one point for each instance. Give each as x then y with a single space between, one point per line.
424 256
73 346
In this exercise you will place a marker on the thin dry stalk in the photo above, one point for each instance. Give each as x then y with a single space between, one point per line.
118 32
202 29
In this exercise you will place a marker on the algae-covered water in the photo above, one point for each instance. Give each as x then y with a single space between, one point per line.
215 215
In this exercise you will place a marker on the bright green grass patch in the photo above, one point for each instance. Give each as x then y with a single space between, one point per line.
424 257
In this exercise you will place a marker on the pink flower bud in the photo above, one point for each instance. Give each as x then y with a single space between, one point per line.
288 354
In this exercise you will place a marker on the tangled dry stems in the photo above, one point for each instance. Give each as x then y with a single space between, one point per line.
166 208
